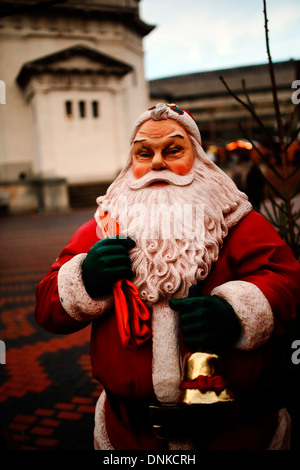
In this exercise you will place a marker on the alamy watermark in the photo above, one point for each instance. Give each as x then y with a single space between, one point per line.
296 94
2 92
158 221
296 354
2 352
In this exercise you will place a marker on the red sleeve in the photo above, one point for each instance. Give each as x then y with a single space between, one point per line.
49 312
254 253
261 257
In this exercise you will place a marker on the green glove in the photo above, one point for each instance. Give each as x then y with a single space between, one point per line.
106 262
209 323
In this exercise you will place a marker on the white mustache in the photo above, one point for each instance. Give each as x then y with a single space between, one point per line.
165 176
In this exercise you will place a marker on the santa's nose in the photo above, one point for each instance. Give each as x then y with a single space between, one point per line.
158 162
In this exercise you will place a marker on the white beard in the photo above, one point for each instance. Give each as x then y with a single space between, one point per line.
178 230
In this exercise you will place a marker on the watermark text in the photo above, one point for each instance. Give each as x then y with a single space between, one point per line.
296 94
2 352
296 354
158 221
2 92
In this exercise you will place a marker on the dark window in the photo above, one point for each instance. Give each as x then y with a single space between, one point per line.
82 109
95 109
69 109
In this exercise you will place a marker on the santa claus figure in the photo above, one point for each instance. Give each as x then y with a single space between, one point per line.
182 223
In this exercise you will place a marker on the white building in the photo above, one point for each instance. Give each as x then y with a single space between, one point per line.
74 77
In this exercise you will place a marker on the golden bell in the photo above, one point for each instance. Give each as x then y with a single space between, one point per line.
201 381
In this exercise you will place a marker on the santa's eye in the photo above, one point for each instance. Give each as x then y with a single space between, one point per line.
173 152
143 156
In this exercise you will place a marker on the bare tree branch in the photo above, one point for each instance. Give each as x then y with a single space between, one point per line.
250 109
286 218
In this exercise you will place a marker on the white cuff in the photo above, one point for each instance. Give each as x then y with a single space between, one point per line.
252 309
73 296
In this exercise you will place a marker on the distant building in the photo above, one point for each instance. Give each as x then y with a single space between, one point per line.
74 77
217 113
226 126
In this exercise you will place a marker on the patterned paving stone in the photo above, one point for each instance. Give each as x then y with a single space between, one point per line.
40 407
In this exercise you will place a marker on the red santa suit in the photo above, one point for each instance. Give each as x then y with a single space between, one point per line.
256 273
253 270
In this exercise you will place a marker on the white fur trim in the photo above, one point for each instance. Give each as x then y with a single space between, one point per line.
166 369
73 296
164 111
252 309
101 439
282 437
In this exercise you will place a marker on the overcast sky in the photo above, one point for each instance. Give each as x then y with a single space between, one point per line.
199 35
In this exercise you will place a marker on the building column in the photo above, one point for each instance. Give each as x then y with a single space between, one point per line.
42 117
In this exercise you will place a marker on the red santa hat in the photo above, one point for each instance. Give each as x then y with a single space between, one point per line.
169 111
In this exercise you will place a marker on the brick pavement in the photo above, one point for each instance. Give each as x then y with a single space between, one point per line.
47 393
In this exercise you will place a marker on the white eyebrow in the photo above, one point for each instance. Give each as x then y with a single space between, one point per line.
176 135
141 139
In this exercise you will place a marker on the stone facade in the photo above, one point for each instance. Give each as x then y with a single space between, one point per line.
74 77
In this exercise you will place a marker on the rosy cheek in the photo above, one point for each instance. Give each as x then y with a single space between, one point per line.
181 167
139 170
